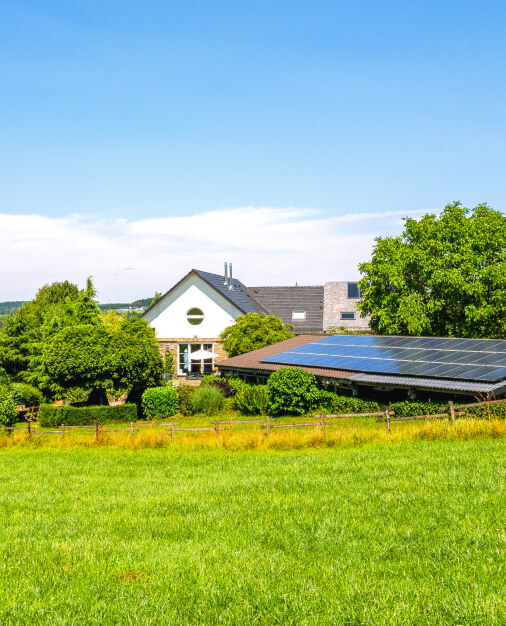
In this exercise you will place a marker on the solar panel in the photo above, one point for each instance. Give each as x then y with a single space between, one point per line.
466 359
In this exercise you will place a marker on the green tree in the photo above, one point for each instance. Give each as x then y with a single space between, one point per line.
445 275
117 354
29 328
253 331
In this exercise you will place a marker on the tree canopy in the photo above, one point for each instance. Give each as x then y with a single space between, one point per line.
116 352
445 275
54 307
253 331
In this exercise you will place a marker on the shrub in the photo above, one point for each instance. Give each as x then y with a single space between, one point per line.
252 400
160 402
207 380
230 386
26 394
335 403
488 411
208 400
237 384
185 394
218 382
4 378
53 416
292 391
8 413
76 396
411 407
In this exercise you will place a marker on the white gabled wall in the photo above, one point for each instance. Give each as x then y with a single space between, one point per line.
168 317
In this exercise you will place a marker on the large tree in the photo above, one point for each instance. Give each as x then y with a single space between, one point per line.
29 328
253 331
115 353
445 275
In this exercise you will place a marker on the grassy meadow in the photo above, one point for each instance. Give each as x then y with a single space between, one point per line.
410 533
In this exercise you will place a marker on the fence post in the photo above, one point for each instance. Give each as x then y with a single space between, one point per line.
172 431
29 429
62 431
131 429
267 425
452 412
216 427
96 430
322 423
387 415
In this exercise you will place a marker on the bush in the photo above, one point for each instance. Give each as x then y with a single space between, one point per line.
207 380
237 384
8 413
76 396
26 394
208 400
252 400
229 386
53 416
335 403
185 394
488 411
219 383
411 407
292 391
4 378
160 402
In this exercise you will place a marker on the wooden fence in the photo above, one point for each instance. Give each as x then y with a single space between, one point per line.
267 423
452 412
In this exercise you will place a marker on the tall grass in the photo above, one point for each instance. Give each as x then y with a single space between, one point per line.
283 439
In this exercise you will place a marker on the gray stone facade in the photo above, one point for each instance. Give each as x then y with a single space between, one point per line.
338 308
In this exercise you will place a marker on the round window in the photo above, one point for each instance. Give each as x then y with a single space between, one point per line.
195 316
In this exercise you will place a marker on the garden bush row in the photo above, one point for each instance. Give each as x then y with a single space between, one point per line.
53 416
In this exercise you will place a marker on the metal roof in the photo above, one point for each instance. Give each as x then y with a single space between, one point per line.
430 383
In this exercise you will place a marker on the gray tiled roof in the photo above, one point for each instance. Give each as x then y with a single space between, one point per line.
431 383
238 295
282 301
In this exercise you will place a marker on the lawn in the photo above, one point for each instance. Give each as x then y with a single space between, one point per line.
407 533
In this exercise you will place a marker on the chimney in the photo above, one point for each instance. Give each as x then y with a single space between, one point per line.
226 272
230 280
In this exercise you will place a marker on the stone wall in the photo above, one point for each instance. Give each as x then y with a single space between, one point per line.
335 302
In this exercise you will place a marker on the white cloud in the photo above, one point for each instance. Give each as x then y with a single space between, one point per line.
132 259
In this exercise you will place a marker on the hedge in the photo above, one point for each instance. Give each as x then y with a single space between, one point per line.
409 408
53 416
335 403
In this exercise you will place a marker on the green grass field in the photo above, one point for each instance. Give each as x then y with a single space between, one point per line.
410 533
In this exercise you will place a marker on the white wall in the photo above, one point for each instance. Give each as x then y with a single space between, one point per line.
168 317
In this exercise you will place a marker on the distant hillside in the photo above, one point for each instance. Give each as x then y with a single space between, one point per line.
8 307
11 306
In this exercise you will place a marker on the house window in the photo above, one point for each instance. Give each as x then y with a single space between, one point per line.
354 290
191 365
349 315
298 315
195 316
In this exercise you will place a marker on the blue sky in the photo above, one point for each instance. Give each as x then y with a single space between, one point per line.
135 110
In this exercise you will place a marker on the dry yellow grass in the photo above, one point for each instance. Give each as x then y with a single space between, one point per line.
285 439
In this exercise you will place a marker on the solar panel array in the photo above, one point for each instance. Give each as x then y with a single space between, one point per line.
463 359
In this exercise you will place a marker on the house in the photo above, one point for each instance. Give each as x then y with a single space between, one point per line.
190 317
